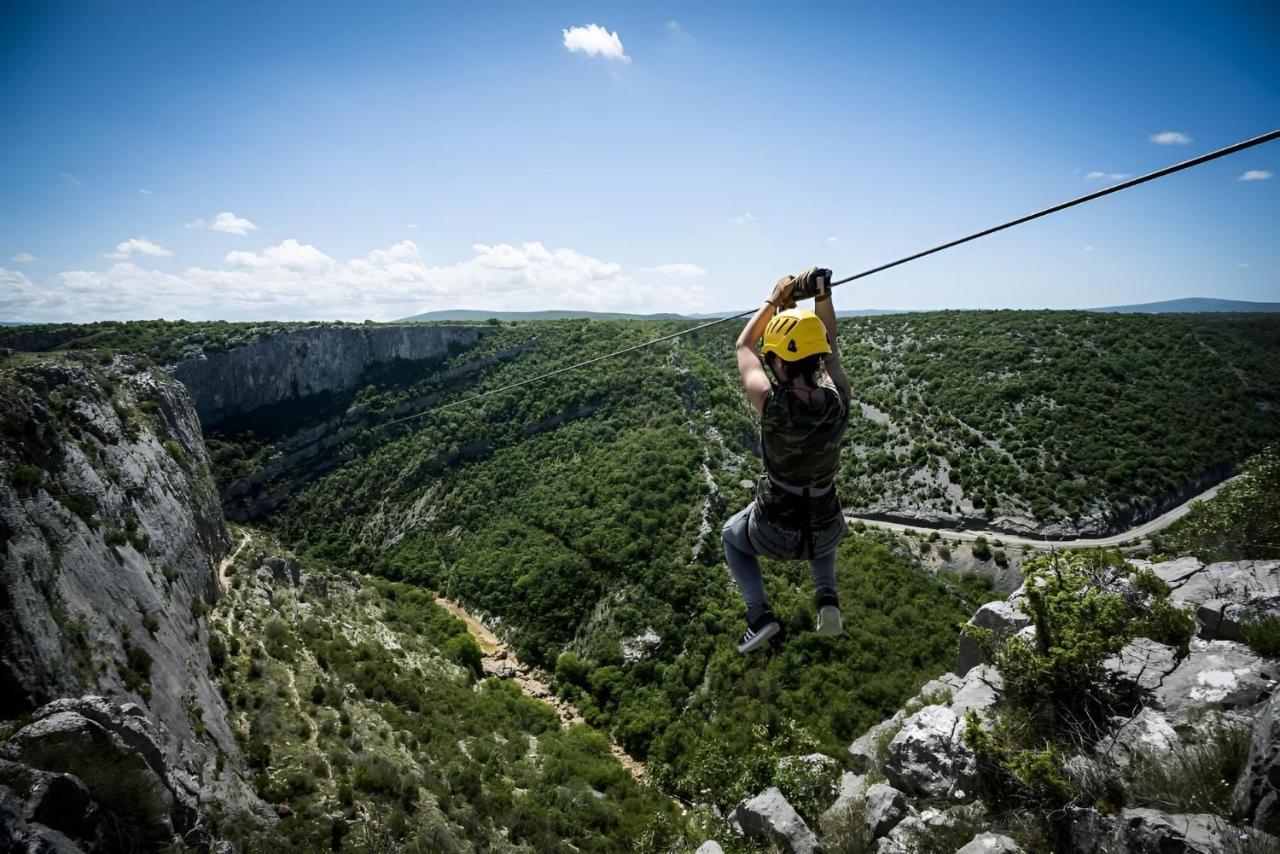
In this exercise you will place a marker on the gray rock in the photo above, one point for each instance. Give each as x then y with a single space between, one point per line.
886 806
1233 581
1216 674
979 692
709 847
928 758
1146 830
1147 733
1226 620
1141 666
769 818
1002 618
1257 794
852 788
863 751
1174 573
990 843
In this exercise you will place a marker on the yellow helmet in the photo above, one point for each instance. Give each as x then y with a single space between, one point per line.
795 334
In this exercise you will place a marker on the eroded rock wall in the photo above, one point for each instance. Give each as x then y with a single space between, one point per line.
296 364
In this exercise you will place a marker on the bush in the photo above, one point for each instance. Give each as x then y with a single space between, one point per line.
981 551
1263 636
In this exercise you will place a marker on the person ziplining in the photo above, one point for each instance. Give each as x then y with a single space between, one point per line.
803 409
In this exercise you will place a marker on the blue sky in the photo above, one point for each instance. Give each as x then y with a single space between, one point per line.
304 160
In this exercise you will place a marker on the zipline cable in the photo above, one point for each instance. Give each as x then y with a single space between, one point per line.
1124 185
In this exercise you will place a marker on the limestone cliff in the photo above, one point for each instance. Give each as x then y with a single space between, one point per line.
310 361
112 532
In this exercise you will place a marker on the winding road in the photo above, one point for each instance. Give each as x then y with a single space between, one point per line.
1159 523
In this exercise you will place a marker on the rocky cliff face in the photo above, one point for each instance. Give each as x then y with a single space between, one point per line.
111 536
296 364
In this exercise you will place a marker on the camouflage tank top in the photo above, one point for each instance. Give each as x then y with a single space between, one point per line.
801 440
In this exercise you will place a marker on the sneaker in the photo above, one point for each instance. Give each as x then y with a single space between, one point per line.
759 630
829 623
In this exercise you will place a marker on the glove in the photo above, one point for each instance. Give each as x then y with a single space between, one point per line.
781 299
814 282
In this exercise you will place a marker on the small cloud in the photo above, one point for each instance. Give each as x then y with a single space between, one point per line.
594 40
833 240
1106 176
226 222
410 225
678 269
1256 175
24 258
73 180
1170 137
1243 265
674 27
138 245
745 217
1089 248
144 191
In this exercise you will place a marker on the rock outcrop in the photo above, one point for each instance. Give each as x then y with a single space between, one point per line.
1257 794
292 365
768 818
112 532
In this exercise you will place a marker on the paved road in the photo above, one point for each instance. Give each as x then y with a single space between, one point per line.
1160 522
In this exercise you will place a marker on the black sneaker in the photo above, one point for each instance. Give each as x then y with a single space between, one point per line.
829 623
759 630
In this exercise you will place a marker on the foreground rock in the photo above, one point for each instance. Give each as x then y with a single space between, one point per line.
1143 830
1257 794
886 806
768 818
990 843
94 772
1141 666
1215 675
1002 619
929 759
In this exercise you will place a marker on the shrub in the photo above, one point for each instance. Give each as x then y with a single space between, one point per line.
1193 778
1263 636
981 551
26 479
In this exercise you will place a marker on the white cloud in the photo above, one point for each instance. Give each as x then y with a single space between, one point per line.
1243 265
677 269
295 280
1089 248
1170 137
226 222
410 225
1256 175
139 245
674 27
144 191
745 217
24 258
73 180
1106 176
594 40
833 240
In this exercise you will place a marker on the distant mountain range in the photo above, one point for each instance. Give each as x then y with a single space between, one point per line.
1192 305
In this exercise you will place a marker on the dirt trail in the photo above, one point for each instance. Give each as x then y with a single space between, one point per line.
245 539
501 662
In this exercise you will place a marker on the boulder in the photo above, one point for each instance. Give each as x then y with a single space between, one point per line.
886 806
768 818
1002 618
1257 794
1143 830
851 789
1174 573
1216 674
1226 620
863 753
1147 733
990 843
709 847
979 691
928 757
1141 666
1233 581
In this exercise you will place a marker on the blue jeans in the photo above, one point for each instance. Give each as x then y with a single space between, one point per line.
740 553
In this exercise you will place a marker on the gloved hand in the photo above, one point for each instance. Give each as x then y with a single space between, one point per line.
814 282
781 296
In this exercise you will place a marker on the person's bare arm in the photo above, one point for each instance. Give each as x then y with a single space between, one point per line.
754 379
826 311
